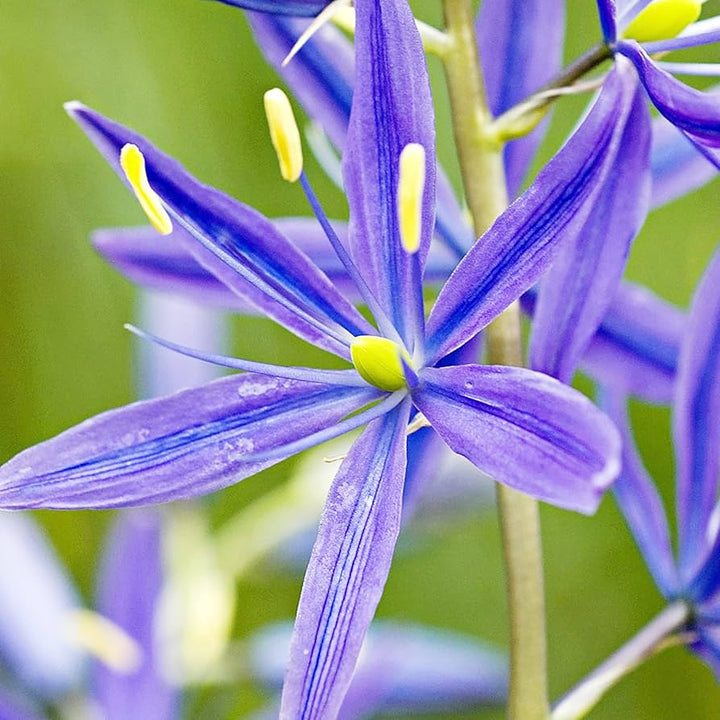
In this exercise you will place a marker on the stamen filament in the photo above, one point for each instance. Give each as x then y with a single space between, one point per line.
348 378
344 426
384 324
325 16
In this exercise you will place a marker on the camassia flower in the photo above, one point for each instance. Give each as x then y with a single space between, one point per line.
524 429
639 29
695 575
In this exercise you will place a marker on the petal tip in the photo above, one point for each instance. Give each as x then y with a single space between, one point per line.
74 108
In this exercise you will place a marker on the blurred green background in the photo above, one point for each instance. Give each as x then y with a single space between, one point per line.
187 74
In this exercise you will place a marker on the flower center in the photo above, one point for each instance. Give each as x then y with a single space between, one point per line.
663 19
378 360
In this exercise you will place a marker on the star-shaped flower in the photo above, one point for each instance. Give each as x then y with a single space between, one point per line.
523 428
695 574
638 29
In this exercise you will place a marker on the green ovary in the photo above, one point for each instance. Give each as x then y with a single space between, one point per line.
377 359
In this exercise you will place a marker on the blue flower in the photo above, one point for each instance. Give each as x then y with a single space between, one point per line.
638 29
695 574
47 637
525 429
631 341
403 669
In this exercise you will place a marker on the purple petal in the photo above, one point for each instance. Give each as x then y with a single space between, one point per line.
424 457
608 23
694 112
238 245
180 446
524 429
406 669
640 502
702 32
161 262
677 166
704 587
347 570
517 249
17 708
695 420
392 107
402 669
37 600
708 648
578 289
306 8
520 44
451 225
426 452
131 581
635 349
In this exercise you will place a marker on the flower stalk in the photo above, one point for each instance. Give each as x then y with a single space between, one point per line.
660 633
481 163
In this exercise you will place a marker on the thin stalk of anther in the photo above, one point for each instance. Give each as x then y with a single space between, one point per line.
484 180
417 350
660 633
353 422
385 326
532 107
347 378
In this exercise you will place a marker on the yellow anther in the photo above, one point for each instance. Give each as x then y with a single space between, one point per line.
132 162
663 19
377 359
284 134
411 187
107 641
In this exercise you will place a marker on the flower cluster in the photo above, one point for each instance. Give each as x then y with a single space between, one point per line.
412 376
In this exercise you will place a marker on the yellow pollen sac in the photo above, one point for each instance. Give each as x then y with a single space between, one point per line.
133 164
284 133
377 359
411 187
663 19
105 640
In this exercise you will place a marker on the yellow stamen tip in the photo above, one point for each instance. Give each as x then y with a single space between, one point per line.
107 641
284 133
411 187
377 359
132 162
663 19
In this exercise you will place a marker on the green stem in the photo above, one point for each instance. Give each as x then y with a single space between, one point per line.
654 637
483 175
